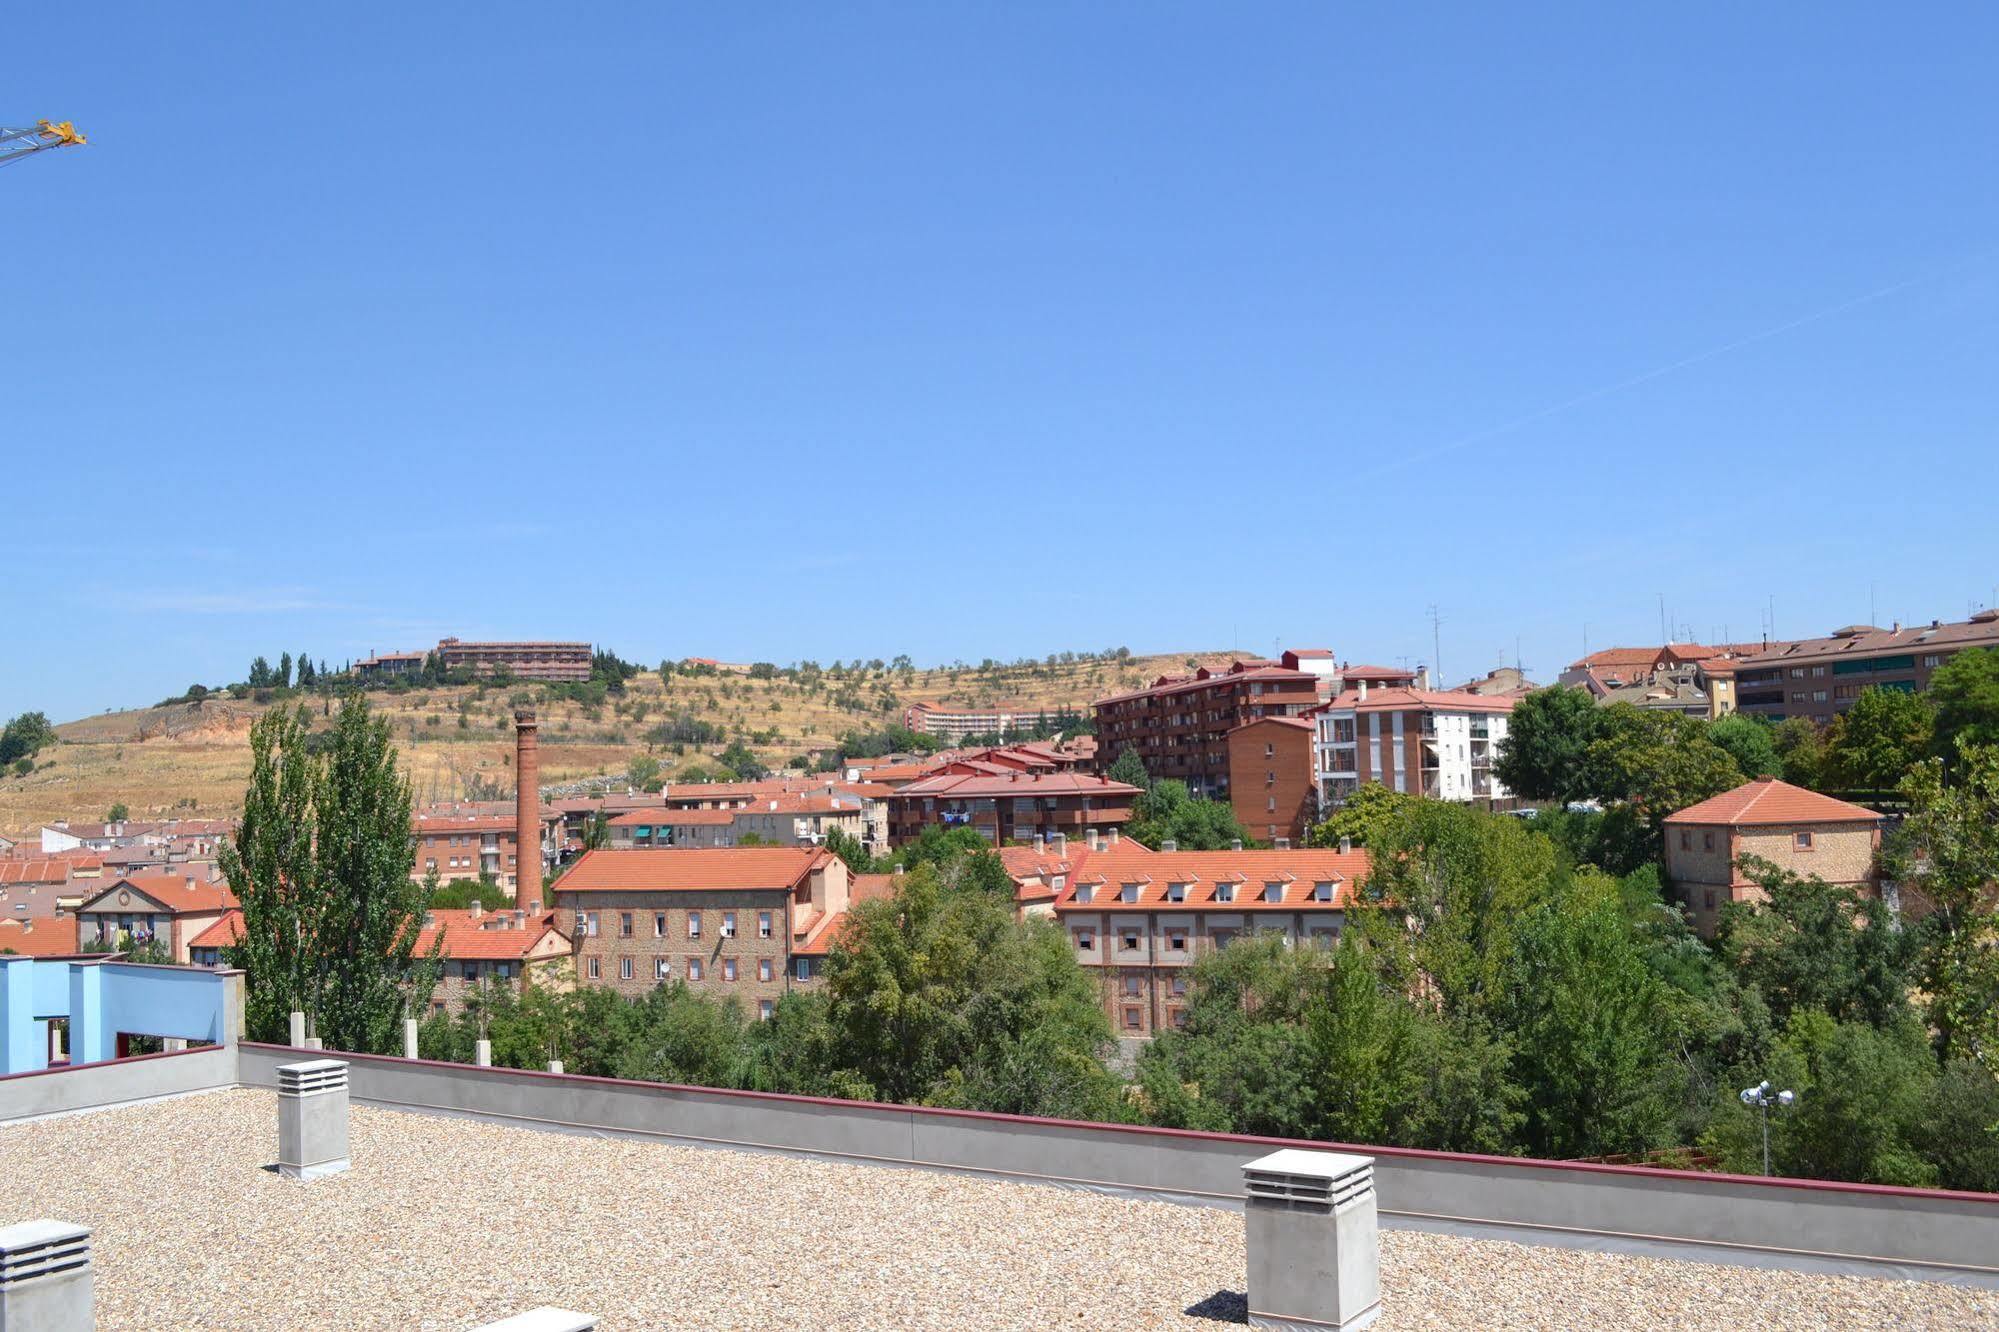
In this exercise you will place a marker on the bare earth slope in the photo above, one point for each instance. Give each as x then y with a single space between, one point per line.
195 759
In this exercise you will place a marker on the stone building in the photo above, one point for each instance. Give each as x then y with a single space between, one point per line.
1794 829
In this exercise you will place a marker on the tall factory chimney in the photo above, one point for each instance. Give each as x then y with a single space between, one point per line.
527 811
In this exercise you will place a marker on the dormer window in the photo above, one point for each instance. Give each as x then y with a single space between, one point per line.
1128 893
1176 892
1322 892
1225 892
1084 892
1273 892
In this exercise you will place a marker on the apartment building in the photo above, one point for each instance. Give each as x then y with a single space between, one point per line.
466 846
673 827
1818 678
1433 743
44 885
725 921
559 662
1275 789
1794 829
959 724
389 665
1179 725
1138 920
1008 806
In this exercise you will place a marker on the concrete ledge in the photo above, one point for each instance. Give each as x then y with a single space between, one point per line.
1854 1229
101 1086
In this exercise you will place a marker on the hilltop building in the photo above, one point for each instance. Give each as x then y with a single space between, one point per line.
1818 678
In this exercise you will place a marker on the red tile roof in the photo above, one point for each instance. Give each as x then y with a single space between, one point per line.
39 936
1769 802
485 937
47 870
1014 784
1302 722
227 930
683 818
1299 870
171 891
1427 700
1174 684
675 869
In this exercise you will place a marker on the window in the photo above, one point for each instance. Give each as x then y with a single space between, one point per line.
1269 749
1132 1019
1270 805
694 968
1225 892
1133 986
1084 892
1086 940
1322 892
1686 840
659 924
1710 899
624 924
1176 941
764 969
430 864
694 924
1179 985
1179 1016
1932 661
1797 672
728 968
592 930
763 924
804 968
1128 893
1707 841
1801 841
1128 940
728 924
764 1010
624 968
661 969
596 970
1273 892
1818 695
470 970
1818 670
1269 777
1176 892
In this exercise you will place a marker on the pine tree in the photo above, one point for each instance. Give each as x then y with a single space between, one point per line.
285 671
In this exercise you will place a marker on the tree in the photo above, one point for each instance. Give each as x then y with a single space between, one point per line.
307 674
1800 746
1945 857
1812 945
1750 741
643 773
849 849
1859 1114
26 736
1962 1139
1130 769
119 813
1546 736
321 865
261 675
1656 761
746 765
1587 1017
1363 818
1965 692
1167 813
1875 743
283 679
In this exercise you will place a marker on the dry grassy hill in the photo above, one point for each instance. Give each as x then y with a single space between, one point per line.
195 759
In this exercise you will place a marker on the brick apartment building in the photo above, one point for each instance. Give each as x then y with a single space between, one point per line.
1274 783
1139 919
1010 806
1435 743
725 921
558 662
1794 829
673 827
171 908
1818 678
389 665
468 845
1179 725
960 724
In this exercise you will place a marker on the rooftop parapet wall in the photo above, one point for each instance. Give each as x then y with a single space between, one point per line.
1805 1225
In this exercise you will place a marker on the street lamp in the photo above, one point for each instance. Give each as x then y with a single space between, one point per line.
1760 1097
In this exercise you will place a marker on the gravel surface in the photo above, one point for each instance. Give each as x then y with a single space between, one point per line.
446 1224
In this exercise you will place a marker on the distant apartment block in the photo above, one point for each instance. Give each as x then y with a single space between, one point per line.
958 725
528 661
1179 725
1439 744
1274 785
1794 829
478 843
1818 678
388 665
1693 679
1010 806
1138 920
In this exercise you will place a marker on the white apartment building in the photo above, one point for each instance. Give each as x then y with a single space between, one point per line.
1439 744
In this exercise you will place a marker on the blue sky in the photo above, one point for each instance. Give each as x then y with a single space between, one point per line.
786 331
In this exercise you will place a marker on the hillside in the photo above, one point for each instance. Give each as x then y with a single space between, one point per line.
195 758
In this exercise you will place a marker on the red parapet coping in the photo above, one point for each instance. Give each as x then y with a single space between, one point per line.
1197 1135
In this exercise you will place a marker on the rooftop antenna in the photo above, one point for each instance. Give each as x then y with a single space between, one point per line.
1870 603
1436 641
1665 634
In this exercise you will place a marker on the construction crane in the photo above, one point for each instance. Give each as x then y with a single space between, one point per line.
17 144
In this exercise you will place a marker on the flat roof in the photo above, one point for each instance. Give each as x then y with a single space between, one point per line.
418 1233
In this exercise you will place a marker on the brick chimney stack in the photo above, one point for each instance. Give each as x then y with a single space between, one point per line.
527 811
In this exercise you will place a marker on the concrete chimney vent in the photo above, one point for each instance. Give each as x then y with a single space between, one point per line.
1346 845
477 909
45 1279
1235 843
312 1119
1363 691
1313 1241
1281 843
1059 844
1169 845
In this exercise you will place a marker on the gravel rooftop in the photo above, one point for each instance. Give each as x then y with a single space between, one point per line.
447 1224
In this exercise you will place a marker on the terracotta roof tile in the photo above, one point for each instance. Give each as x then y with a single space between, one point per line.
172 891
39 936
1299 870
674 869
1769 802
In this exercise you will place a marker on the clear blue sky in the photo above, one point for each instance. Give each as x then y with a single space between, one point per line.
782 331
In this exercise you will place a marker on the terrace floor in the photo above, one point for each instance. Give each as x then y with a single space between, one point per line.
447 1224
